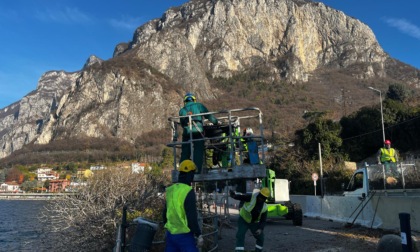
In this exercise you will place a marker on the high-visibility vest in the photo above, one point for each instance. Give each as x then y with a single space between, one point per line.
246 209
175 213
388 155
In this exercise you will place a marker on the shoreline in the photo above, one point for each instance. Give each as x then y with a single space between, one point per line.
30 196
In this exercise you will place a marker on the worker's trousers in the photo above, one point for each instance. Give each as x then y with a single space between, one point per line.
198 147
180 242
243 227
390 168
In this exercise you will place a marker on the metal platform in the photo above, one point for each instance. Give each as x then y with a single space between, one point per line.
225 138
245 171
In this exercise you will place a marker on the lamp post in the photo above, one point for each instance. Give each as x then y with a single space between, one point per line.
382 113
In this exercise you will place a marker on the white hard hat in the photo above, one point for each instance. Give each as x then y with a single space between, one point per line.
249 131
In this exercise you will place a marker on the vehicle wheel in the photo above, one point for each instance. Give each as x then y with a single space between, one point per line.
297 215
289 205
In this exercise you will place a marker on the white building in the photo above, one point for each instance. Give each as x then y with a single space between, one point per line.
139 167
47 176
43 170
10 187
97 167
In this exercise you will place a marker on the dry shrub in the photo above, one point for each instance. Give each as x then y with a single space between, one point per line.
88 220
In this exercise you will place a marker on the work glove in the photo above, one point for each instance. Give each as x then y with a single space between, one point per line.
200 241
219 123
232 193
258 232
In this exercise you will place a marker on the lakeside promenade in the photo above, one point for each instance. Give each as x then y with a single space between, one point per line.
30 196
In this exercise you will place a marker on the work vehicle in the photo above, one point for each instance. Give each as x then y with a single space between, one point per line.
374 198
387 179
279 204
237 156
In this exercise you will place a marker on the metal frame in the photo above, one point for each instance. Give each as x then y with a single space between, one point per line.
230 118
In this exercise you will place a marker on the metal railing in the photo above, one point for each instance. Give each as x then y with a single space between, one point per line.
225 138
395 176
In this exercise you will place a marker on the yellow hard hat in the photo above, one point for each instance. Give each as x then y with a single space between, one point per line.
265 192
187 166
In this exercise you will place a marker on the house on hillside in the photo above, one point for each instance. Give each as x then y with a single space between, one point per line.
139 167
43 170
10 187
58 185
47 176
45 173
97 167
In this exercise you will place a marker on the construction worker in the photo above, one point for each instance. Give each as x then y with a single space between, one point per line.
387 156
252 216
195 129
249 147
180 213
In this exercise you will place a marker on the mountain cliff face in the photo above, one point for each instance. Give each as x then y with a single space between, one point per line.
135 91
24 121
226 37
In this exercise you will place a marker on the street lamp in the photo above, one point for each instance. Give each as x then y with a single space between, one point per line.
382 113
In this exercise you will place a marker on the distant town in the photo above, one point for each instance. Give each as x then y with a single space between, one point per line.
46 180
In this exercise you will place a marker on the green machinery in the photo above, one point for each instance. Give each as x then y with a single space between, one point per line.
279 204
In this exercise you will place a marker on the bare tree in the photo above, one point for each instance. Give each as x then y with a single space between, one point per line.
88 220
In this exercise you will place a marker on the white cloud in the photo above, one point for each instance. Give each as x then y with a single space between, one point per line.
126 23
66 15
404 26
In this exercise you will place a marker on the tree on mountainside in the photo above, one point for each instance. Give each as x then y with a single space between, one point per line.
296 163
15 174
362 130
361 133
398 92
323 131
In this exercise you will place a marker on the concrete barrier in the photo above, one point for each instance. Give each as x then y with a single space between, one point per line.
378 212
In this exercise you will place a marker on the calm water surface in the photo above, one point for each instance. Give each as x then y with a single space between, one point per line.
20 229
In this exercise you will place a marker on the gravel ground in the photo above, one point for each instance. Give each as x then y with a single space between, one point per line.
314 235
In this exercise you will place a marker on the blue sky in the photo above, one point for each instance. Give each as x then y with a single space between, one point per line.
42 35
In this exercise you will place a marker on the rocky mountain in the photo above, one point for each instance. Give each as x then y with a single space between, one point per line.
192 47
24 121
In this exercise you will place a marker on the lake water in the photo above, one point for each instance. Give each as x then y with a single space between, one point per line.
20 229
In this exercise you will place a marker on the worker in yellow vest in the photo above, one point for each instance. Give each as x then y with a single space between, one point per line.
180 213
388 157
252 216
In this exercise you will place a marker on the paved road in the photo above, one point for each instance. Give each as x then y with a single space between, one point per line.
314 235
